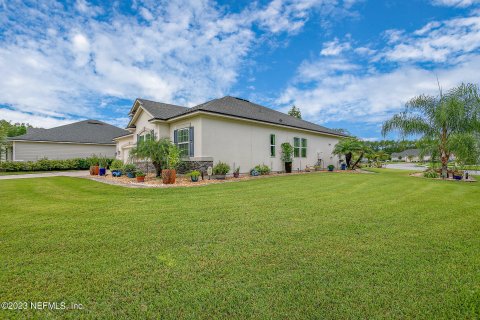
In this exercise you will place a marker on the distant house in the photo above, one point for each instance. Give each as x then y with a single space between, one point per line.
76 140
410 155
232 130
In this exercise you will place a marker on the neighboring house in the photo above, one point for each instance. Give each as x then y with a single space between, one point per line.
232 130
76 140
410 155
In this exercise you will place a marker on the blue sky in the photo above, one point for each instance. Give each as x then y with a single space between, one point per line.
345 63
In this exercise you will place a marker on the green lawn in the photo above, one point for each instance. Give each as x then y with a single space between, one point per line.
317 246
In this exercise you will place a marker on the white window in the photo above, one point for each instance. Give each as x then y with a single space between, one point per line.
272 145
183 141
299 147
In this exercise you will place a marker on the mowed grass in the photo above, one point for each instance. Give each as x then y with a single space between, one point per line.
317 246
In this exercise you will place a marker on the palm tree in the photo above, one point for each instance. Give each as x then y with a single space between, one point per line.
447 123
349 147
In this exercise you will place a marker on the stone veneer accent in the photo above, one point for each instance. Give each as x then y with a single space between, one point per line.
184 167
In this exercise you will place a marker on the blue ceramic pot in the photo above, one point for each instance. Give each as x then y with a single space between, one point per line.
131 175
194 179
102 171
116 173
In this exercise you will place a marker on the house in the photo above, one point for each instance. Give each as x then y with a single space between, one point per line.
76 140
232 130
410 155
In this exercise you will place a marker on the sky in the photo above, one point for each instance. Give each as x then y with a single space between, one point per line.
347 64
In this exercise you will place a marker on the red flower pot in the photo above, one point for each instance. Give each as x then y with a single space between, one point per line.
169 176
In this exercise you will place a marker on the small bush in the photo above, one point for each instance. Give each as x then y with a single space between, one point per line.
116 165
48 165
129 168
221 168
262 169
432 174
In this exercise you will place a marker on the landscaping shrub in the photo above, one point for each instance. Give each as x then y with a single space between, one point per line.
221 168
430 174
262 169
48 165
116 165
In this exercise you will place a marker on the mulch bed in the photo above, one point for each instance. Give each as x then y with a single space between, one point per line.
420 175
184 181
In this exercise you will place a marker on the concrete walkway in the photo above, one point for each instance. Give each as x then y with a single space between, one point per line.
82 173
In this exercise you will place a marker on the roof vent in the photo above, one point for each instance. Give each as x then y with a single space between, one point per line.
95 122
241 99
280 120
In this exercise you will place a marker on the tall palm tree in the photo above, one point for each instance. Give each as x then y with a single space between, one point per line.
447 123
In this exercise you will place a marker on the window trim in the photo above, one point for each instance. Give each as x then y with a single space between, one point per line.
273 146
296 148
303 147
187 142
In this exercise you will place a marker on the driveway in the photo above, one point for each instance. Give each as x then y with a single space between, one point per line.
82 173
405 166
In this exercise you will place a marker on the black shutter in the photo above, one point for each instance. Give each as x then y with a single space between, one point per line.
191 141
175 136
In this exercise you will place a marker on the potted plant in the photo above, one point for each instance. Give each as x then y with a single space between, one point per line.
140 176
94 165
116 168
129 170
194 175
287 153
236 172
220 170
331 167
103 163
169 174
254 173
457 175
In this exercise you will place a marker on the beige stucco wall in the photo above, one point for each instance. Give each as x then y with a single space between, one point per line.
142 124
32 151
247 144
237 142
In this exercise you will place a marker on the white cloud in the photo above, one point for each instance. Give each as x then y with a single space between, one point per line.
455 3
334 48
372 97
436 42
60 61
290 15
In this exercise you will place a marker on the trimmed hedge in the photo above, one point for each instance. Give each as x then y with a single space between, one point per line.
48 165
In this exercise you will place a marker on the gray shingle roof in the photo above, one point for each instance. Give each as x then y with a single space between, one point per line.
160 110
245 109
87 131
242 108
406 153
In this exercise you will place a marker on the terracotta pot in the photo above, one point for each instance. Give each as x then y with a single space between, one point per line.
141 179
94 170
169 176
